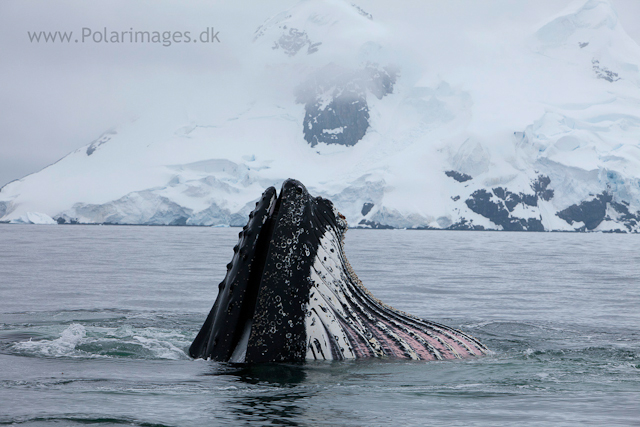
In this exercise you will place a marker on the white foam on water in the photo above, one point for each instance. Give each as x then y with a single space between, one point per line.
161 349
63 346
77 340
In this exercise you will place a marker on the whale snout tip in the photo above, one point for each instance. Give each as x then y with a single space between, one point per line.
293 185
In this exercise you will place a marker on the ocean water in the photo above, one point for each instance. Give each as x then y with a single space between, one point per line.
95 322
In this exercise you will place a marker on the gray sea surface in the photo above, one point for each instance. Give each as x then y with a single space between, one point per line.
95 322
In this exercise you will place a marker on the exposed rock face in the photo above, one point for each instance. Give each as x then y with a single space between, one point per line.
104 138
335 100
598 209
499 205
499 211
622 215
604 73
540 187
344 120
458 176
362 12
366 208
293 41
590 212
463 224
373 225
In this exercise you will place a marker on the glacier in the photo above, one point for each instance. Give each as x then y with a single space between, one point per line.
34 218
460 124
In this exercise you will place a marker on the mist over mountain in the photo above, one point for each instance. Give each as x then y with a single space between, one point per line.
483 119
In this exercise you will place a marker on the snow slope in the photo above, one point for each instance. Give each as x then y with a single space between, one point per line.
467 120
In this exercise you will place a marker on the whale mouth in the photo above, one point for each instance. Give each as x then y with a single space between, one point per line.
226 331
261 301
290 295
242 329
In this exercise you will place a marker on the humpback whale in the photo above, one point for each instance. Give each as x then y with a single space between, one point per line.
290 295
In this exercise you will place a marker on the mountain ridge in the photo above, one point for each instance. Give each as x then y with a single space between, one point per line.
542 137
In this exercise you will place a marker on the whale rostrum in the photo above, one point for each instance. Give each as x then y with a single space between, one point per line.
290 295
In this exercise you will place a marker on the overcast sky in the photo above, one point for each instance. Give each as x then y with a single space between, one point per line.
58 97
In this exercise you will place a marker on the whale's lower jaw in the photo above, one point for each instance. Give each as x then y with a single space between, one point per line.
290 295
344 321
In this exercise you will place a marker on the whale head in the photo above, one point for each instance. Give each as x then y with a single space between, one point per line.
290 295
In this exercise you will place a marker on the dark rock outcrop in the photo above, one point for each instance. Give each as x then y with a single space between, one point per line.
624 216
362 12
540 187
335 100
499 204
374 225
603 72
293 41
591 212
499 211
366 208
458 176
104 138
463 224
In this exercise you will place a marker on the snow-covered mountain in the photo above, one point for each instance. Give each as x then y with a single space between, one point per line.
466 123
